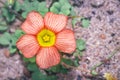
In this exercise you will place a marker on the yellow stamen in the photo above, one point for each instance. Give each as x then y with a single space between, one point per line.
46 38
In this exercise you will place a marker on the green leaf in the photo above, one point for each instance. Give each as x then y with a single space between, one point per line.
24 14
81 44
55 68
16 36
76 61
12 49
78 53
74 21
13 40
61 7
57 5
63 1
37 75
42 9
72 12
32 60
5 39
63 70
17 6
53 9
93 72
52 77
3 27
65 11
26 5
36 6
58 69
67 61
66 6
9 16
32 67
25 59
18 33
85 23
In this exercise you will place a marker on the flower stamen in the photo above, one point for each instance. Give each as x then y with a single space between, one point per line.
46 38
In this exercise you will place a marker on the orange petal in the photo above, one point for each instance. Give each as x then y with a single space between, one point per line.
28 45
47 57
65 41
55 22
33 23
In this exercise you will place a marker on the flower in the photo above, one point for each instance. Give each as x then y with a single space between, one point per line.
44 37
109 76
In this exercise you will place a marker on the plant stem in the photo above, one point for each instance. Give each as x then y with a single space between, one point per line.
109 57
76 68
72 17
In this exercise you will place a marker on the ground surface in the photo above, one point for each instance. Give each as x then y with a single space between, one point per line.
102 37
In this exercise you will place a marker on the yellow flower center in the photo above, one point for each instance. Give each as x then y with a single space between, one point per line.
46 38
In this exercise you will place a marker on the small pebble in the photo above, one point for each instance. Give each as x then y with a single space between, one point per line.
113 34
97 3
103 36
6 53
110 12
78 3
79 77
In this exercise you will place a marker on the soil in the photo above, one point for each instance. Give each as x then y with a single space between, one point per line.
102 38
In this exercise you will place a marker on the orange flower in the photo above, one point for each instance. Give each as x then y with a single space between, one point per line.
44 37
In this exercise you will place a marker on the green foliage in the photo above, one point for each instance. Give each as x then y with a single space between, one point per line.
74 21
32 67
76 61
9 40
31 60
78 53
7 11
93 72
5 39
80 47
52 77
80 44
35 5
67 61
8 15
3 26
61 7
71 62
37 75
73 14
58 69
14 38
85 23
